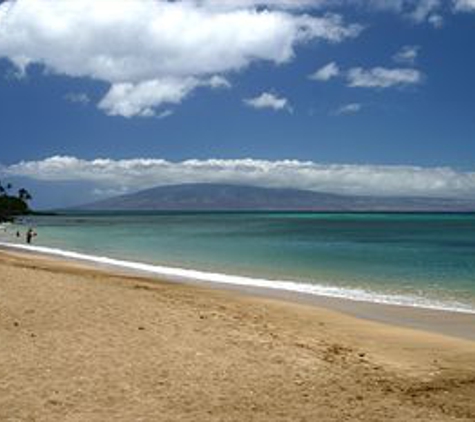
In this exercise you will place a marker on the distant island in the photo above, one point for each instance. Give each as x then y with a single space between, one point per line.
229 197
12 206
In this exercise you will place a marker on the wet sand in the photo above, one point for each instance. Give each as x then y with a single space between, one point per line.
84 344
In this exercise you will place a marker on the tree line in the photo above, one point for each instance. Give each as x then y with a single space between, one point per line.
13 204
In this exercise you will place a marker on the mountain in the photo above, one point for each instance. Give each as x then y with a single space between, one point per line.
213 197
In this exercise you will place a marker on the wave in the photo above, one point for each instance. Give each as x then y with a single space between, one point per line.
183 274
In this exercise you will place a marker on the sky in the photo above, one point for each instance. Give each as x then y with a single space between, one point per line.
374 97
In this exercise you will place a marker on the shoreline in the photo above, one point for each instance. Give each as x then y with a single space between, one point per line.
457 324
81 343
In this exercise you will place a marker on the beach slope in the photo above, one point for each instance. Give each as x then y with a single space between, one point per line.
82 344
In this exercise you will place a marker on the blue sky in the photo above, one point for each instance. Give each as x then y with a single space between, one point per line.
367 97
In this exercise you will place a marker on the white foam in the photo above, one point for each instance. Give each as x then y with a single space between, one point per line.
173 273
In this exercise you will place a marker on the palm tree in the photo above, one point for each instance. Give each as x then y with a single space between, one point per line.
10 205
5 189
24 195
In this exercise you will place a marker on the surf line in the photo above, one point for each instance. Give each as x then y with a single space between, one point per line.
183 274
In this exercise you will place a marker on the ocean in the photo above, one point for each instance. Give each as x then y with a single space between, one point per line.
421 260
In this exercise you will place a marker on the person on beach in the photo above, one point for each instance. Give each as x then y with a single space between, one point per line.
29 235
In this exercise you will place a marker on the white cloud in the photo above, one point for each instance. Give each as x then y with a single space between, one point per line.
134 174
326 72
165 113
417 11
127 99
407 54
437 21
218 82
380 77
268 100
424 9
155 52
377 77
282 4
350 108
464 5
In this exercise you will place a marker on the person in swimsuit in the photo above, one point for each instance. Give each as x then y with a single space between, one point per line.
29 235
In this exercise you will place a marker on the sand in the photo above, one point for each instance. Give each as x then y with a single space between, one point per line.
82 344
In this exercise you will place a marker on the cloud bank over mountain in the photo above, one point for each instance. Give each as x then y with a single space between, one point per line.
134 174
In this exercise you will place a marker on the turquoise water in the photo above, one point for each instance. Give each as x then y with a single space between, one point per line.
426 258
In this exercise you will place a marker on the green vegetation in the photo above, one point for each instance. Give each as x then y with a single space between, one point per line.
12 206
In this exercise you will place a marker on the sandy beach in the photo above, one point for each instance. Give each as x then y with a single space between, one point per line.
85 344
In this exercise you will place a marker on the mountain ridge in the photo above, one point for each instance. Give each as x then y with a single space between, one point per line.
236 197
